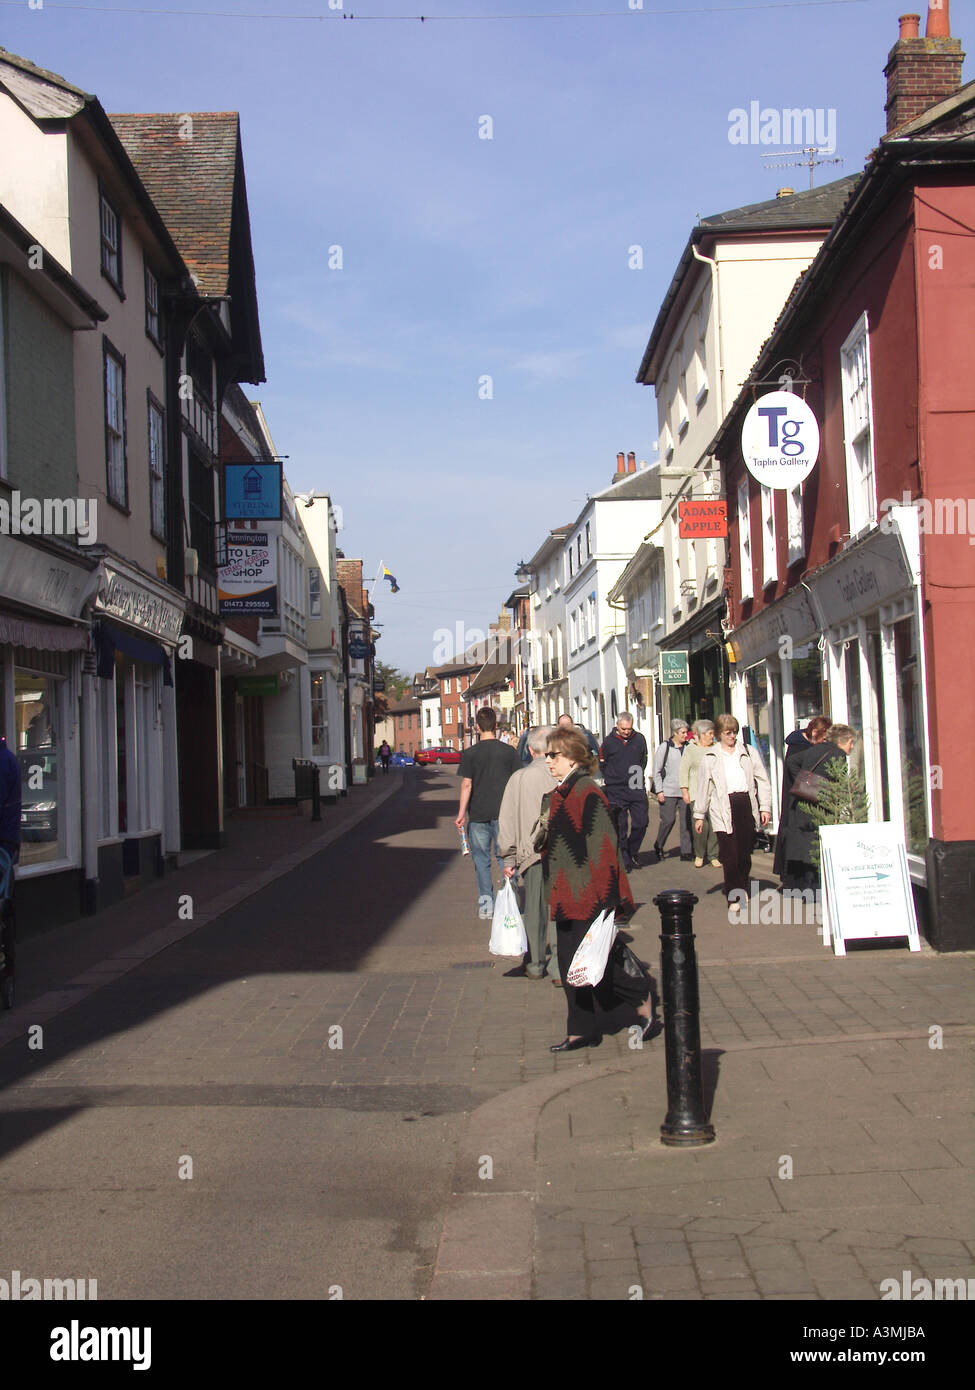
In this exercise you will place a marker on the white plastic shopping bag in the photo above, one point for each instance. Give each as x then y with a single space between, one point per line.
507 929
589 962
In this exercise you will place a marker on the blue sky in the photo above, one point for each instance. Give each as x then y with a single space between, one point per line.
466 257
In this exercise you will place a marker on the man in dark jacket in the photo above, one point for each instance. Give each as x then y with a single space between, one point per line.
623 759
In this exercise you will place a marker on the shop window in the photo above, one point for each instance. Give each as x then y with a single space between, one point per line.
37 703
319 715
807 684
911 721
756 694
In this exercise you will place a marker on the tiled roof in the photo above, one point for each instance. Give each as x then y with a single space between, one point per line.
45 95
192 182
815 207
489 676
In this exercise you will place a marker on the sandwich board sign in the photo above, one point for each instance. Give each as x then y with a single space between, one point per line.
866 885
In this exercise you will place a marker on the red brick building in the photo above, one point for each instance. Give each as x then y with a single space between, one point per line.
855 592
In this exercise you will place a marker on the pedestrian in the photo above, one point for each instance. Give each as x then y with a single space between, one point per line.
385 753
565 721
801 740
521 807
734 789
797 745
706 843
801 833
623 762
666 786
584 877
484 770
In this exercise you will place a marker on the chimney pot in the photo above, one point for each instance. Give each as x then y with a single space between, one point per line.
631 462
939 23
785 192
909 26
620 464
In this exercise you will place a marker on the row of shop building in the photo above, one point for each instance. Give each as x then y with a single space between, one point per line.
690 587
140 708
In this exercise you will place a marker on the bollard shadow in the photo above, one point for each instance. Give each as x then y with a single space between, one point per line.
710 1073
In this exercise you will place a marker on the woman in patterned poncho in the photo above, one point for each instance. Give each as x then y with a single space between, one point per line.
584 877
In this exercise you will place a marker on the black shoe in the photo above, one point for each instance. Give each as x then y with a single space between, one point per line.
634 861
658 852
651 1027
573 1045
686 858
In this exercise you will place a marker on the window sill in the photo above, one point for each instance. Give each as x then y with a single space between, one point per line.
115 284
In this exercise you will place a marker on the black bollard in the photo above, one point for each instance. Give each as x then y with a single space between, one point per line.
686 1124
316 795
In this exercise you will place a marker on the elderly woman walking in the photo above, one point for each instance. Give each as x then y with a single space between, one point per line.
734 789
585 877
705 843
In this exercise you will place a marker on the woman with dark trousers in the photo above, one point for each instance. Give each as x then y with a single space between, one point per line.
733 787
584 877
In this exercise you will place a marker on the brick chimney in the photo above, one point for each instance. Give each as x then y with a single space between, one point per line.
922 72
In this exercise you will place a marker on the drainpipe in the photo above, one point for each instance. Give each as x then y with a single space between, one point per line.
716 305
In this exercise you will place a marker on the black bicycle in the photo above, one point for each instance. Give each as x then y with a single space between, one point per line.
7 931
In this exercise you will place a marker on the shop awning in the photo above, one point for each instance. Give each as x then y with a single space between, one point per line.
110 639
45 637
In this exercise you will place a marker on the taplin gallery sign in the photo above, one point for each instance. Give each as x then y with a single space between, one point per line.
780 440
248 580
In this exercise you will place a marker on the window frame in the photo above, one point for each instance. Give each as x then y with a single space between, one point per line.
860 517
152 279
106 203
746 577
156 488
111 353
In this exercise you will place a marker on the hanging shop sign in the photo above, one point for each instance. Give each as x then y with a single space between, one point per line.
780 440
702 520
252 491
674 669
866 885
358 648
247 581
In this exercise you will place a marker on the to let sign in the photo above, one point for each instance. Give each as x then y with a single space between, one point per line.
702 520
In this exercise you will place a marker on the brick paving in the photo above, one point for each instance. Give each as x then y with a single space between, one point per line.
844 1150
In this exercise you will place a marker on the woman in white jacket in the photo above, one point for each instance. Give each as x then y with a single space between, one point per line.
734 789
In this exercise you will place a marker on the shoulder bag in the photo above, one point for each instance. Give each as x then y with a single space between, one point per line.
808 783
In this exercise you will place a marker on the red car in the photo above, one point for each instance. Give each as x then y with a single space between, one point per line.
425 756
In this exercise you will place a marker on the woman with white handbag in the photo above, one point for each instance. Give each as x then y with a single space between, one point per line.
585 881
